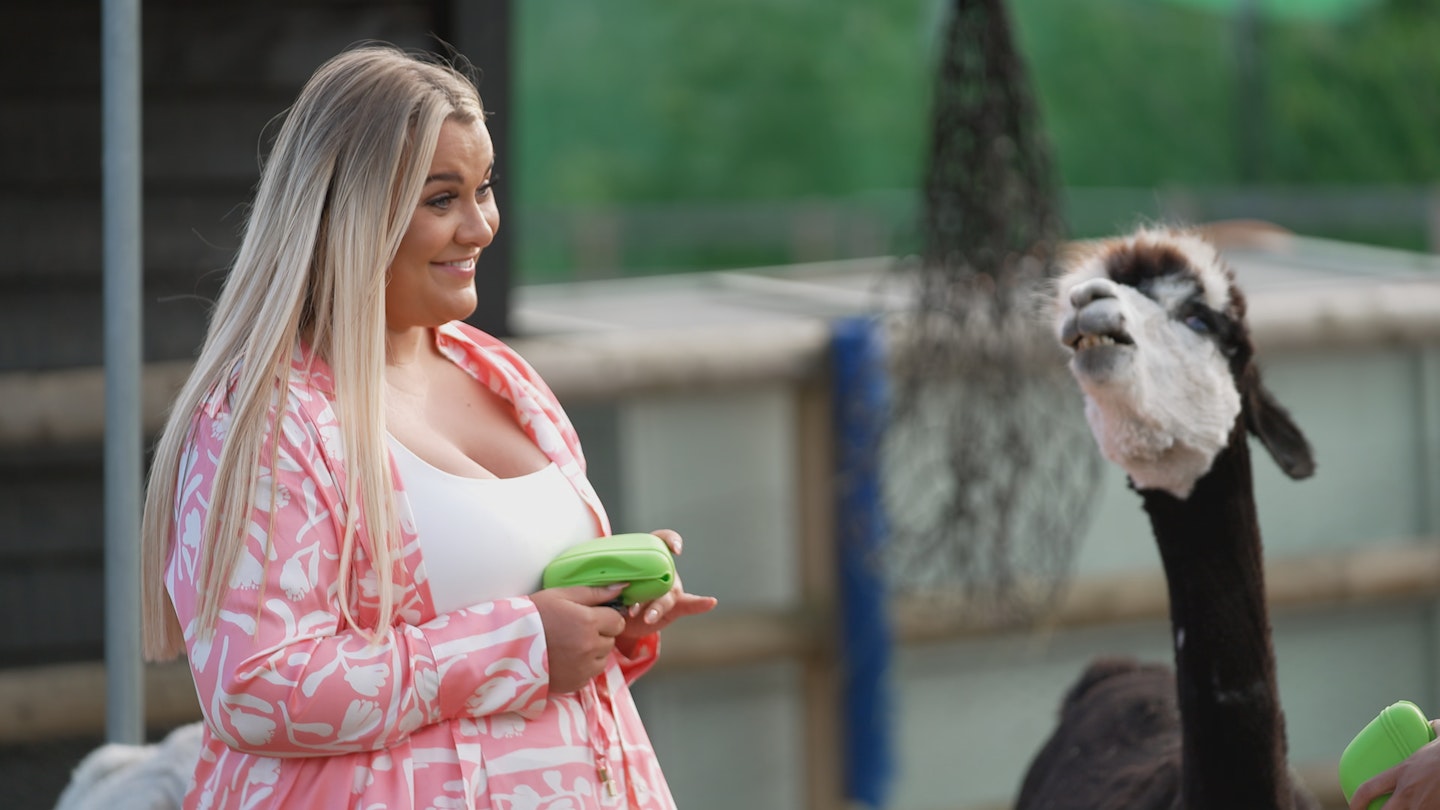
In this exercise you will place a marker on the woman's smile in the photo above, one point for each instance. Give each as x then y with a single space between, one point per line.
462 268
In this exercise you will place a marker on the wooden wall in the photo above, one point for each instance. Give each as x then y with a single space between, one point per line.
214 74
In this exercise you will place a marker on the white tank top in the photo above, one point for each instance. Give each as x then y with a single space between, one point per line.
487 538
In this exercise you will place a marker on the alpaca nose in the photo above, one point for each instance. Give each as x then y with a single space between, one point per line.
1093 290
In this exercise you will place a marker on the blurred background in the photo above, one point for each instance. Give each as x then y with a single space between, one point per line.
691 194
663 139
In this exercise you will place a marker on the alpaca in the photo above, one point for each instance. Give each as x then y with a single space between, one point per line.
1162 354
116 776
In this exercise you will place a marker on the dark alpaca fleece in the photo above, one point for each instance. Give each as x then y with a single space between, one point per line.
1210 734
1117 746
1233 731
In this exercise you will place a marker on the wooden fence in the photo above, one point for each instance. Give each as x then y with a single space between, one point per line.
61 408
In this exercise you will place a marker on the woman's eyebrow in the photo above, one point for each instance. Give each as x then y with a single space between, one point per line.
454 177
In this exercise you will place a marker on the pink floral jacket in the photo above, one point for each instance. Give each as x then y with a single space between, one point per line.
447 711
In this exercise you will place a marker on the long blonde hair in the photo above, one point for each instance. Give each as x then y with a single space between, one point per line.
335 198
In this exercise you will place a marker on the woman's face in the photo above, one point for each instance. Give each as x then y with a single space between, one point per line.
432 280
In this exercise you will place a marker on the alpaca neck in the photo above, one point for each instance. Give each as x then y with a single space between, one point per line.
1233 735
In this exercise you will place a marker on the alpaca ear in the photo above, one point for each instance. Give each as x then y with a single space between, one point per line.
1268 420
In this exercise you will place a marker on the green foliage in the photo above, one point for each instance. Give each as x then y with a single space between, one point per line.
1357 102
636 100
639 102
1139 93
1133 92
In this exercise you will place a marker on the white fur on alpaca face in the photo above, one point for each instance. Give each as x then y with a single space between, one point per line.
1159 396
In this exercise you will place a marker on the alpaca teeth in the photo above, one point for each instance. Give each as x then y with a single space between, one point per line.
1091 341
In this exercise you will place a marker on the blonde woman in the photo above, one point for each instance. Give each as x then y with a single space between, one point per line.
355 493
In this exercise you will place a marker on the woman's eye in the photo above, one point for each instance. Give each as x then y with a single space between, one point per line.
441 202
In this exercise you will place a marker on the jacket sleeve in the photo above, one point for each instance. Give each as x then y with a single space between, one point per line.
283 673
637 661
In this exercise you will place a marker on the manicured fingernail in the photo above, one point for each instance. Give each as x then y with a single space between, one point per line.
651 616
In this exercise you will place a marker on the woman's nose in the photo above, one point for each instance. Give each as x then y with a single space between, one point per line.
479 225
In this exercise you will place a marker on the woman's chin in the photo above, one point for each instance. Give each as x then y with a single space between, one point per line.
459 306
463 312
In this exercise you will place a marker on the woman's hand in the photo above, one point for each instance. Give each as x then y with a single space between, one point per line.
580 632
657 614
1413 784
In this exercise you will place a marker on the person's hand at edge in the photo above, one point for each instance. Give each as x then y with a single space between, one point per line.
1414 784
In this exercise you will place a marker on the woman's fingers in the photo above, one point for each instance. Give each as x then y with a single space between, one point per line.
661 605
672 539
664 611
611 623
580 633
687 604
655 615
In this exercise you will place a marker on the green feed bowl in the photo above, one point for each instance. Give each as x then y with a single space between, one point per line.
1394 734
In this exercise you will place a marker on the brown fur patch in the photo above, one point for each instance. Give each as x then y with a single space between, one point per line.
1135 264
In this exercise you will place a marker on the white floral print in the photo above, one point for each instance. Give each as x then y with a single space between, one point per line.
444 710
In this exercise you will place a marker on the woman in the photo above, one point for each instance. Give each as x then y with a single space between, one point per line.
355 493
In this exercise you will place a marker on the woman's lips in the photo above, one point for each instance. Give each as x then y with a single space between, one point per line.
464 267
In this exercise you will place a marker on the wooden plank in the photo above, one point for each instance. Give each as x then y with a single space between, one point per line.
51 514
64 700
617 366
191 136
46 702
66 405
51 612
218 44
173 326
51 561
54 241
735 640
1403 571
30 63
274 45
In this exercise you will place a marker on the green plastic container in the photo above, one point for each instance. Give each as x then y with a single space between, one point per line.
1396 733
641 559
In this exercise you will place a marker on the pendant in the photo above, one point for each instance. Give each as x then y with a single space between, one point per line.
608 782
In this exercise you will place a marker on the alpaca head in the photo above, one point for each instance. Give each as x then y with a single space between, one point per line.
1156 327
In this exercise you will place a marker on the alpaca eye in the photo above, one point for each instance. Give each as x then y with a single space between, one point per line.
1197 324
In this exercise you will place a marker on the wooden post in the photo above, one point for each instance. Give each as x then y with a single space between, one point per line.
820 682
1427 478
1432 219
